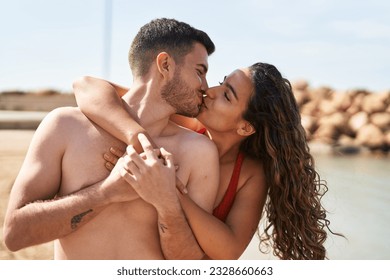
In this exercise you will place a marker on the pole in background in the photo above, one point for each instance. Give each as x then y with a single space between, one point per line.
107 39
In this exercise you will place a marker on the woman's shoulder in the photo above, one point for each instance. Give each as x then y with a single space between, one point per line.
252 172
252 166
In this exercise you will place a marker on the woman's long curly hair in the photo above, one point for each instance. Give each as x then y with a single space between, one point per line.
296 221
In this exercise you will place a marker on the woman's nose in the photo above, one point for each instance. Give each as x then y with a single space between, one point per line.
210 92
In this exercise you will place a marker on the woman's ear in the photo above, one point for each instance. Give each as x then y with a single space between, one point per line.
165 64
245 128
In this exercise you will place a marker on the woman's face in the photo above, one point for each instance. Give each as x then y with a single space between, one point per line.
225 104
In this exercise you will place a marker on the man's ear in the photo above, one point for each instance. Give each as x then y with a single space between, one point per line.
245 128
165 64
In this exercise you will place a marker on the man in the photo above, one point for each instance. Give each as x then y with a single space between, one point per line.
62 192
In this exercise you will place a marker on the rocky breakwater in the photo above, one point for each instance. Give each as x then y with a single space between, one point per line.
42 100
350 121
25 110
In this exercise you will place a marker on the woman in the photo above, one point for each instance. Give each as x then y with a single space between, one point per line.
253 119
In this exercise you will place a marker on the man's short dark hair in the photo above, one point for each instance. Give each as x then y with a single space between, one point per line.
164 35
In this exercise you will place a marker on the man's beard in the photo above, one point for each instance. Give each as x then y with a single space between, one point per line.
177 94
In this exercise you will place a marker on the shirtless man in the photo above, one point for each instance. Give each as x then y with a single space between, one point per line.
62 192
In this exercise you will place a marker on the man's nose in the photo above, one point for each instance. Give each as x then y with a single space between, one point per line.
205 85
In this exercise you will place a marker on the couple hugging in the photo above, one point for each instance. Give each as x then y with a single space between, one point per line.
171 168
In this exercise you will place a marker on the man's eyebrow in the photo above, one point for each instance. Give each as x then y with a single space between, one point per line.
204 67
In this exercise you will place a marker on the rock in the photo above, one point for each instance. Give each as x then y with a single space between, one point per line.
382 120
310 109
301 96
373 103
342 100
371 136
326 133
309 123
387 138
337 119
300 85
346 140
357 121
327 107
322 93
384 96
357 100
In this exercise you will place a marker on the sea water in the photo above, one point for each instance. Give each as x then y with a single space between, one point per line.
358 202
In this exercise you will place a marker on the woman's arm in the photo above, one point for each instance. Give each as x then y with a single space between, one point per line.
101 102
228 240
95 97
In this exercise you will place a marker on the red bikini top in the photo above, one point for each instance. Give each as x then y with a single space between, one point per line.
223 209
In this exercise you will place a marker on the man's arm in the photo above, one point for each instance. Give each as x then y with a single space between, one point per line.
155 183
35 214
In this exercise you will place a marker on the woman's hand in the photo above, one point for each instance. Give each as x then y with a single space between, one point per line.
112 157
152 178
114 154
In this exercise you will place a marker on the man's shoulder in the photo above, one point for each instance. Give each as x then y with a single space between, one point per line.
198 151
63 122
65 112
63 115
190 146
192 139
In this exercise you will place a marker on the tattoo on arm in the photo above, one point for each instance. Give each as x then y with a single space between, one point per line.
77 219
162 227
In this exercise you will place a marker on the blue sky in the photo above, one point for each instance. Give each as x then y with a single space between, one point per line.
343 44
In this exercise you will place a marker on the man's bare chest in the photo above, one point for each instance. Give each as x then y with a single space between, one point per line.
83 163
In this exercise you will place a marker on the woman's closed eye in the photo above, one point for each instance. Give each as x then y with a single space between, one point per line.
226 96
225 93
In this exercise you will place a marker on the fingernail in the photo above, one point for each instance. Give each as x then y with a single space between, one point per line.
130 148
